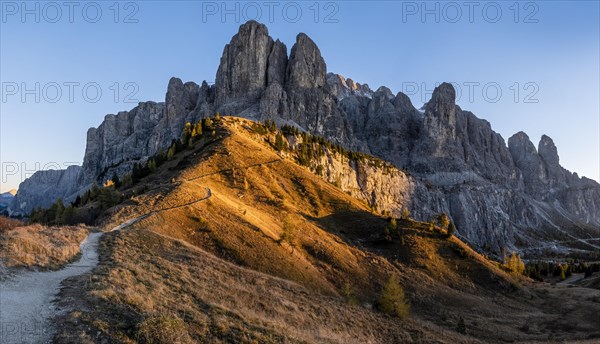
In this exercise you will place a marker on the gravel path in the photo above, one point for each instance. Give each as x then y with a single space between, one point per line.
26 299
573 279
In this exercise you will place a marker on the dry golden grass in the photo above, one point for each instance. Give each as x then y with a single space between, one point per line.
163 329
220 302
36 246
6 223
221 266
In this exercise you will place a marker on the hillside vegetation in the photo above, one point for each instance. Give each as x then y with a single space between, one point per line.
37 246
244 244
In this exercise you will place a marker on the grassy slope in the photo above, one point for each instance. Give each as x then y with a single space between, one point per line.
219 264
39 247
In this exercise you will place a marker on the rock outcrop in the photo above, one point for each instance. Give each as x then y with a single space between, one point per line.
545 180
45 187
132 136
342 87
306 68
242 74
500 196
256 79
117 144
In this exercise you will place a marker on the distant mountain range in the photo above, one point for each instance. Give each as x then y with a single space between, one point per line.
9 193
501 196
6 198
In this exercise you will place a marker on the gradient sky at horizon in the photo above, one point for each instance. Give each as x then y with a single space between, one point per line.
553 62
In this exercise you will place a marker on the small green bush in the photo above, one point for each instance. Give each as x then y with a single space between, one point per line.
348 294
392 300
405 214
451 230
391 227
443 220
288 233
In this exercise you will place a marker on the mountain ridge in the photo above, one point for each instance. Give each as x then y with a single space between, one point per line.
239 228
497 193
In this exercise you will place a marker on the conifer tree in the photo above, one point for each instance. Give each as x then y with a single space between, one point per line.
451 229
405 214
392 300
279 142
171 152
152 165
443 220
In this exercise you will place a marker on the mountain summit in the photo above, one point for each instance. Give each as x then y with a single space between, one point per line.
500 196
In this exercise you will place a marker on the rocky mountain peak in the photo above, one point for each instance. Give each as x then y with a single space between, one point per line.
548 151
242 73
557 175
440 121
520 136
443 95
180 99
529 162
460 165
385 92
522 149
251 27
402 102
306 67
520 143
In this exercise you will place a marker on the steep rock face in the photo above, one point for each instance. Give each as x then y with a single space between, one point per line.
283 89
383 186
257 80
132 136
540 169
306 68
557 176
342 87
205 102
242 74
44 187
528 161
118 143
456 141
439 148
124 138
545 180
391 127
582 202
498 195
309 101
278 62
357 116
440 119
481 210
181 99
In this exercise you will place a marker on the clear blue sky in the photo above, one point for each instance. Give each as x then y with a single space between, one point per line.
549 51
